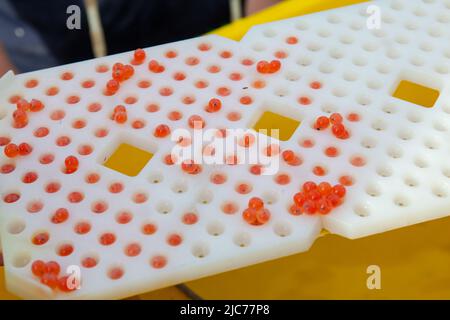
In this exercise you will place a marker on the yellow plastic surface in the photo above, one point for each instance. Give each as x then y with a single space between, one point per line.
276 125
128 160
416 93
4 294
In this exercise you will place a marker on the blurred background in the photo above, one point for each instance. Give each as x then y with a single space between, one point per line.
41 34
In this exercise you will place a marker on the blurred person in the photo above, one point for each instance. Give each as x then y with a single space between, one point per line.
34 34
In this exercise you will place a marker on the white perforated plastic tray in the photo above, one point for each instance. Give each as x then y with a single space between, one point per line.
396 156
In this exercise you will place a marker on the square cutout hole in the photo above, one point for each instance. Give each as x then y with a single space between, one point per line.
128 159
416 93
269 121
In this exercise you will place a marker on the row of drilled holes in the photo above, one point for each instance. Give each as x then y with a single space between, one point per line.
199 250
360 61
206 197
435 31
132 99
102 68
438 191
359 25
406 135
401 201
403 134
243 239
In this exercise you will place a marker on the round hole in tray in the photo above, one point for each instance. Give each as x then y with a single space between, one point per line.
180 186
374 84
421 162
446 172
389 109
282 228
326 68
369 143
379 125
440 125
333 19
432 143
356 25
258 47
314 46
364 100
156 177
361 210
301 25
442 69
373 190
393 53
200 250
395 152
270 197
292 76
401 201
16 226
242 239
21 259
324 33
328 108
340 92
350 76
440 191
215 228
164 207
384 171
304 61
269 33
411 181
336 53
347 39
205 196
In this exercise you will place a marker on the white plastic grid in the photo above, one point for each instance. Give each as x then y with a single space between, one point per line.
404 179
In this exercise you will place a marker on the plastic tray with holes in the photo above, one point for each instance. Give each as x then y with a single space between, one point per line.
134 222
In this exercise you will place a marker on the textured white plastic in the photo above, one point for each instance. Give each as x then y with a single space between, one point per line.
404 147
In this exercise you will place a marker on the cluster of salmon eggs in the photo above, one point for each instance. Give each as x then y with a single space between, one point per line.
337 127
120 114
265 67
256 214
48 274
20 120
155 67
291 158
13 150
120 73
20 116
317 198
